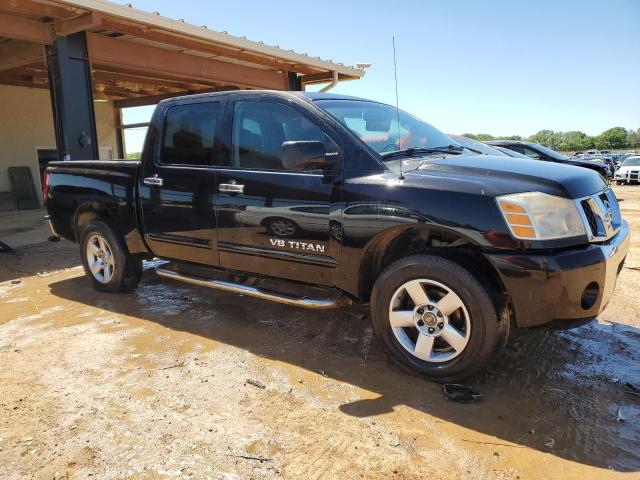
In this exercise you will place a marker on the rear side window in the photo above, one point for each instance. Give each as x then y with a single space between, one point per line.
189 134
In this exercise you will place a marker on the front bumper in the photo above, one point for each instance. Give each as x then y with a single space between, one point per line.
630 176
569 287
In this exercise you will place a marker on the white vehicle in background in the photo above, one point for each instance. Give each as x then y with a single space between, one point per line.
629 171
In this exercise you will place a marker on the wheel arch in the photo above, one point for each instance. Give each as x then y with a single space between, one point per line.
86 213
127 230
400 242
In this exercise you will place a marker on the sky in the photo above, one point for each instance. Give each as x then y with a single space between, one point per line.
504 67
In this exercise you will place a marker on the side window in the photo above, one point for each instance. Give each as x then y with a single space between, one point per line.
189 134
530 153
515 148
260 129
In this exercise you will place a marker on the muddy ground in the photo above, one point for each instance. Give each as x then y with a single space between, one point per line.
154 385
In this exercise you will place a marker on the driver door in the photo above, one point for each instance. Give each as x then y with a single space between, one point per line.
270 220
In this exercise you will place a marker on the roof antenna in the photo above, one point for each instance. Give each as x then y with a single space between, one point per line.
395 74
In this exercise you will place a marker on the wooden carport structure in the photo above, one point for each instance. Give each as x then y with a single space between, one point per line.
88 50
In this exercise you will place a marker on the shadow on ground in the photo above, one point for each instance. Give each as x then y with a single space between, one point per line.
40 258
557 392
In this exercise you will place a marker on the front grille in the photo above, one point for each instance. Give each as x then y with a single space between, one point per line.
601 215
634 175
591 217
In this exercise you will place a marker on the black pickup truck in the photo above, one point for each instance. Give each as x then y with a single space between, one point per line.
319 200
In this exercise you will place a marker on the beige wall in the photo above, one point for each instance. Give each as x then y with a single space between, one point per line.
26 122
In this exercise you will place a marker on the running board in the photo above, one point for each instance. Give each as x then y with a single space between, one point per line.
242 289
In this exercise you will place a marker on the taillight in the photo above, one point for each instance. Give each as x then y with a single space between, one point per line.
45 185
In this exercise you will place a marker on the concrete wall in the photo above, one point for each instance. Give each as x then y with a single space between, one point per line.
26 123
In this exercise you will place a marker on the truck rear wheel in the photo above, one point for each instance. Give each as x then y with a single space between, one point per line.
106 261
435 319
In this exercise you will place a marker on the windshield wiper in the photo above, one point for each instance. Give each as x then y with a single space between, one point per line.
412 151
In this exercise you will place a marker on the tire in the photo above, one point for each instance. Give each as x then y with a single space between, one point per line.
282 227
120 270
469 319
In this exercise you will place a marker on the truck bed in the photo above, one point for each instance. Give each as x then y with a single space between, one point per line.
79 187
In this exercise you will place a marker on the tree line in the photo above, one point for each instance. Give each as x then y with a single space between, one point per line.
574 141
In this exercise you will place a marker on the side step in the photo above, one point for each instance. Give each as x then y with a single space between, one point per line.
258 292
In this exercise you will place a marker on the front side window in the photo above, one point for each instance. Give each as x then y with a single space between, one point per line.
377 125
189 134
260 129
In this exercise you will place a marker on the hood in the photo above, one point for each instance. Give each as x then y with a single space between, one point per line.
503 175
598 167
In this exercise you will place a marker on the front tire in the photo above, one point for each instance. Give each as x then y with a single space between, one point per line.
435 319
106 260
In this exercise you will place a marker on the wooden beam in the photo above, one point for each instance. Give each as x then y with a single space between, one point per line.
322 78
175 40
152 100
150 77
78 24
105 76
145 58
22 29
21 81
39 9
16 54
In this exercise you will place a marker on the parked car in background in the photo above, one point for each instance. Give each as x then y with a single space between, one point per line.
629 171
484 149
539 152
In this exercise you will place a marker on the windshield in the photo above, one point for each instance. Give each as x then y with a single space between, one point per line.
549 152
632 162
377 125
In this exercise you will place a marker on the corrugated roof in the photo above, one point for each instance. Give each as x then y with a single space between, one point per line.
130 14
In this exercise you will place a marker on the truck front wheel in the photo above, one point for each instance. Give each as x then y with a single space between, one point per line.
106 261
435 319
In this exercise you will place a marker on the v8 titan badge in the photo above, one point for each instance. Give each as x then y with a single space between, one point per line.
295 245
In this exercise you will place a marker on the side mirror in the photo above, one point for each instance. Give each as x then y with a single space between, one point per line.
303 155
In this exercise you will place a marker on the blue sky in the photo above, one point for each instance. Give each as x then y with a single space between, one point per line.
494 66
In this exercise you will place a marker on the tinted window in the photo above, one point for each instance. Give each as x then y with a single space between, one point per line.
189 133
530 153
260 129
547 151
515 148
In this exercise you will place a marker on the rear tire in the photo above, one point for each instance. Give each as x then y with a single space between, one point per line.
435 319
106 260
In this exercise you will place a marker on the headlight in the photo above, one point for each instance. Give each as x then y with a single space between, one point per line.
540 216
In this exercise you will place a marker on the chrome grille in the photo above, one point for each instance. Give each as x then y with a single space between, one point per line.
601 215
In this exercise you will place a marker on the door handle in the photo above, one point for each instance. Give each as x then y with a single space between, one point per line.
231 188
154 181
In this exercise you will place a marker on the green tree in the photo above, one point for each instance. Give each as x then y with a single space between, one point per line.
481 137
511 137
548 138
574 141
615 137
633 138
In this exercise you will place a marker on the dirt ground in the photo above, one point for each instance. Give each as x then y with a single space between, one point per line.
154 385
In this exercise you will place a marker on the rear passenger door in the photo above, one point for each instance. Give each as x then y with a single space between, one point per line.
269 220
177 190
